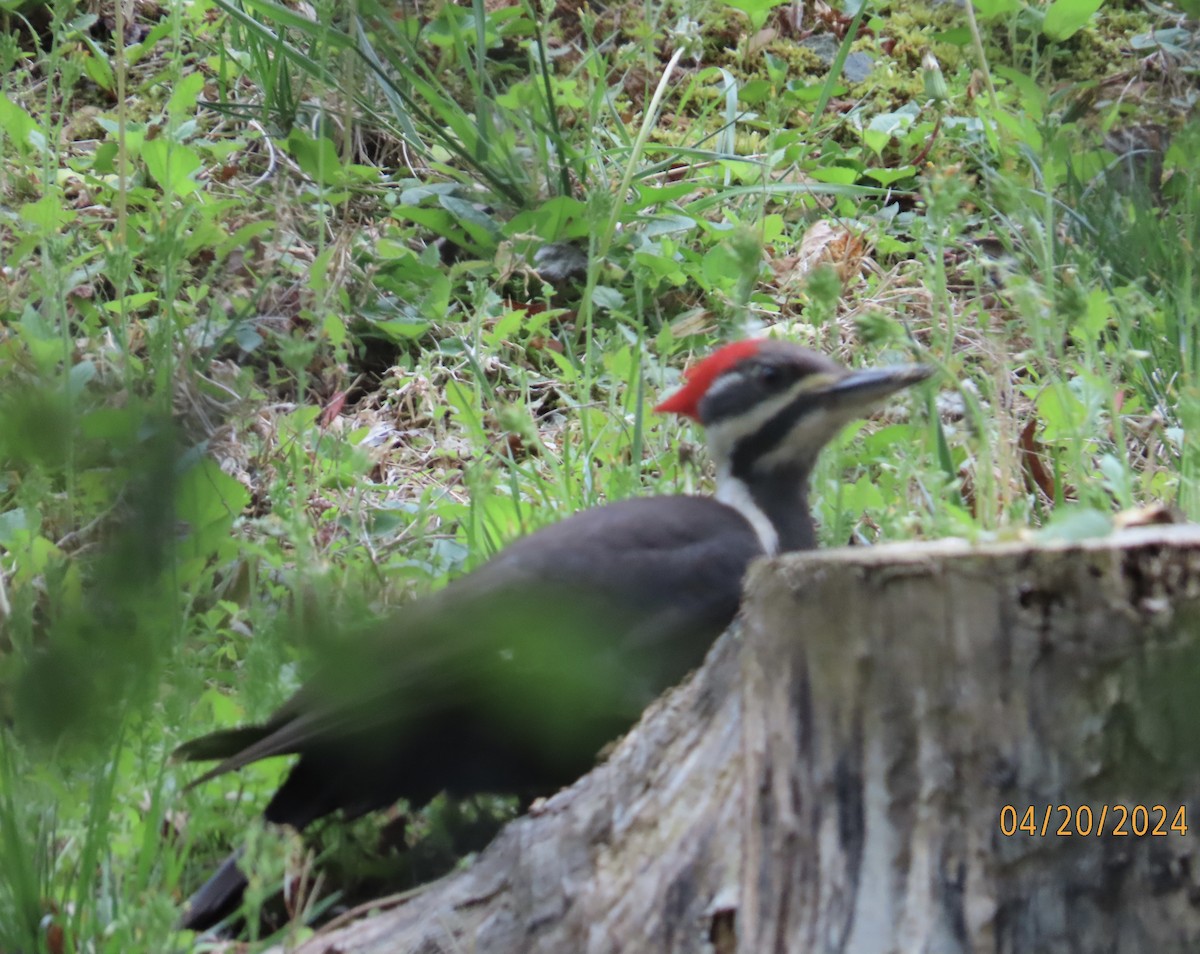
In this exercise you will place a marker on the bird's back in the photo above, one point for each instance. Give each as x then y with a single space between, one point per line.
511 678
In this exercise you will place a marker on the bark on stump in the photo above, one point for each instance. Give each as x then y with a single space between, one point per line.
843 774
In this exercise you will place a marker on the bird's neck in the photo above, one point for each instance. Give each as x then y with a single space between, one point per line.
774 502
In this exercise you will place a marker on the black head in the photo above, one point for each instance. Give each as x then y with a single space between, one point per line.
772 405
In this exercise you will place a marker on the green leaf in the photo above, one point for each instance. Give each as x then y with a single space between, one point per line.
836 174
440 222
79 377
114 425
467 408
607 298
207 501
186 95
172 165
103 159
720 266
1098 313
557 218
47 214
777 68
404 330
861 496
435 303
1062 413
991 9
1071 524
97 68
876 140
755 10
317 157
243 237
474 220
648 194
225 710
666 225
956 36
756 91
334 329
1066 17
12 522
887 176
130 303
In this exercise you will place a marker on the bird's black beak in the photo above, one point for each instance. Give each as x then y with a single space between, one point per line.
859 390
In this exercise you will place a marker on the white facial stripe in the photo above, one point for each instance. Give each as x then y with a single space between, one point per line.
724 382
734 493
723 435
814 429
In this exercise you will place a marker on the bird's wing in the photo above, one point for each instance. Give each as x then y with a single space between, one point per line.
607 607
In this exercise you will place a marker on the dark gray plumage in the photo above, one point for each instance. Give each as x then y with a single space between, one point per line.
512 678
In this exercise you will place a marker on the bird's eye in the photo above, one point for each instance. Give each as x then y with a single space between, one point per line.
768 374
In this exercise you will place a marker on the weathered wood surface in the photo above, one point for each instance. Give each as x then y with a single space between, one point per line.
835 777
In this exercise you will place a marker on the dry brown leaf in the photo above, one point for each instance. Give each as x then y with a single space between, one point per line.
1033 457
695 321
1150 515
761 40
825 243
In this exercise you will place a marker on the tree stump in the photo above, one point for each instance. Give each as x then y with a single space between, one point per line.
915 748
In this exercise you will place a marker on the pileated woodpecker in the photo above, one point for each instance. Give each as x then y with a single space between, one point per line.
512 678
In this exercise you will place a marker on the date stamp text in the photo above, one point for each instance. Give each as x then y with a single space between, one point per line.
1063 821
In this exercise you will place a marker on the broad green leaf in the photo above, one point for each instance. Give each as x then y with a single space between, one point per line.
476 222
991 9
242 238
888 176
97 67
756 91
647 194
11 522
207 495
440 222
47 214
777 68
172 165
317 157
1071 524
1062 413
225 709
755 10
861 496
957 36
435 303
1098 312
658 225
130 302
556 219
318 274
876 140
1066 17
207 502
79 376
116 425
186 96
403 330
334 328
836 174
1175 41
464 401
607 298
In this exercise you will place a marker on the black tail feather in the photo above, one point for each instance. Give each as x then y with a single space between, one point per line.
217 898
219 745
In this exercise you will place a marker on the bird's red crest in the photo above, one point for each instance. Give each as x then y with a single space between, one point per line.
699 377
